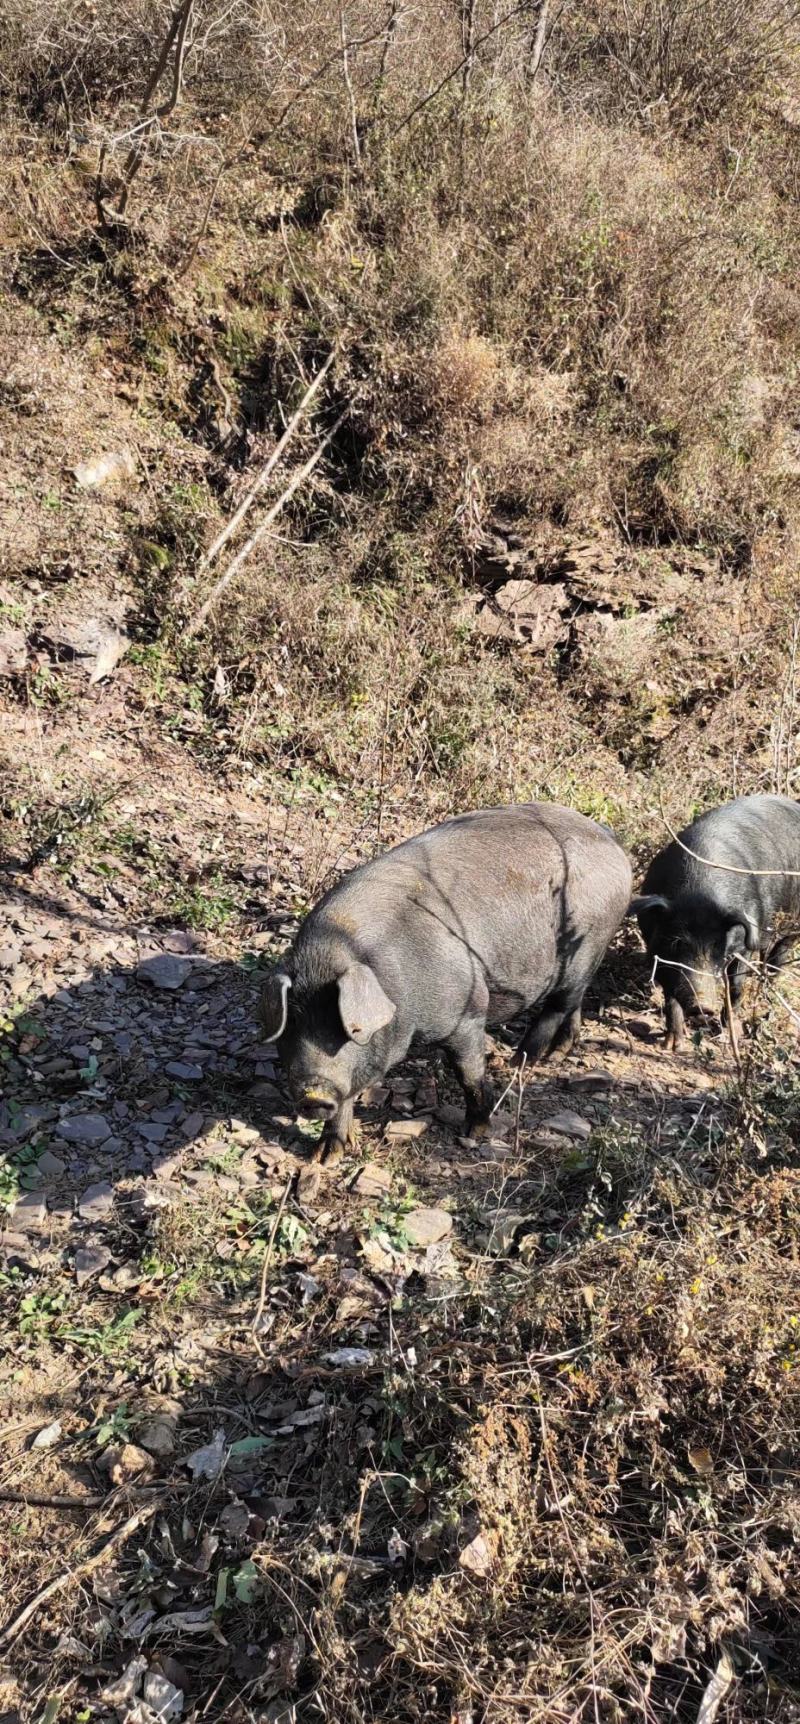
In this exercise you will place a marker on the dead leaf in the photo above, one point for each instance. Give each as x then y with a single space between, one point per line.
123 1461
165 1699
478 1557
717 1690
702 1460
208 1462
45 1438
349 1356
177 1622
119 1694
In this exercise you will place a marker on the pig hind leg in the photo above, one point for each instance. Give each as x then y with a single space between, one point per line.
556 1027
466 1051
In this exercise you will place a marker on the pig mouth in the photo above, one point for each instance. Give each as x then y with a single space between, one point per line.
313 1105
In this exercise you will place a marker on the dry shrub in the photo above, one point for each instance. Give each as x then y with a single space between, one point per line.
464 375
688 61
549 305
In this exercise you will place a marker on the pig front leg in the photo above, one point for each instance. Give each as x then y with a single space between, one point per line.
340 1134
676 1022
466 1050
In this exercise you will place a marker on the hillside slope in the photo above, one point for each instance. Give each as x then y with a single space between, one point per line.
279 1446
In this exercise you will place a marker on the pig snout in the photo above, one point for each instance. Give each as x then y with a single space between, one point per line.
704 985
316 1089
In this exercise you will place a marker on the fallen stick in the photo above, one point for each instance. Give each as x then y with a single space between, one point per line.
14 1628
36 1499
294 485
266 1263
248 501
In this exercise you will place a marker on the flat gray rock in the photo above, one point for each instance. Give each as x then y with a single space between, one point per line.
427 1226
13 652
96 1201
84 1128
164 971
152 1132
182 1069
568 1124
50 1165
373 1180
30 1213
89 1261
402 1130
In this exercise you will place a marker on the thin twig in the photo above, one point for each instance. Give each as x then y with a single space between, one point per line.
454 70
730 1022
177 33
351 96
38 1499
239 154
539 42
14 1628
262 1295
247 503
294 485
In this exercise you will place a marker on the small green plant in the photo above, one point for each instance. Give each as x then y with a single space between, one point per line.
209 906
115 1429
9 1183
111 1340
39 1312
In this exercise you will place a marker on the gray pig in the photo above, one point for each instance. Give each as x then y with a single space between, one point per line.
488 915
703 926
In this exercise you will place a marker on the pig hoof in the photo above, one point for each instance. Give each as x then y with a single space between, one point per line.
329 1154
331 1149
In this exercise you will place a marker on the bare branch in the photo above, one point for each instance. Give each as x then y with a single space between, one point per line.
294 485
539 41
177 39
454 70
354 137
247 503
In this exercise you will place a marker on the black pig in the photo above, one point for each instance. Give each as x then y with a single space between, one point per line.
481 918
701 924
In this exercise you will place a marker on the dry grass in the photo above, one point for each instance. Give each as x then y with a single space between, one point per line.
556 310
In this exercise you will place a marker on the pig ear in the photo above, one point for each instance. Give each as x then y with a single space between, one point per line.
274 1005
741 934
363 1005
651 901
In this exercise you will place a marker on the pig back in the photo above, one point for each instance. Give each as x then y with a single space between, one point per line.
490 911
751 833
